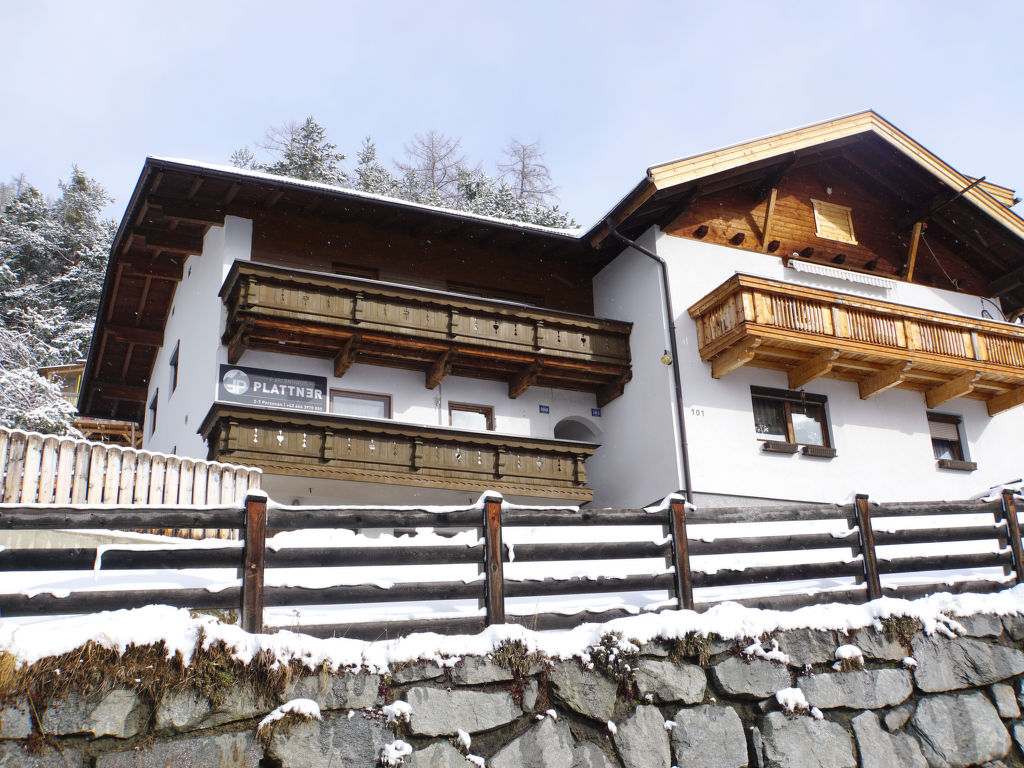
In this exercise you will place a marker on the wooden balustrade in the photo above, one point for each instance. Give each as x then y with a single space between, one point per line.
353 320
765 323
370 450
52 470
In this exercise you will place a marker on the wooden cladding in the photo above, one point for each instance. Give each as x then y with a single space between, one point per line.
365 450
769 324
353 320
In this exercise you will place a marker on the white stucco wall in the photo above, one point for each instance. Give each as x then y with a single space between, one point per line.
883 444
639 461
413 403
196 321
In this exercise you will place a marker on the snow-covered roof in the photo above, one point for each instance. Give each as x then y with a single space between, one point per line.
357 193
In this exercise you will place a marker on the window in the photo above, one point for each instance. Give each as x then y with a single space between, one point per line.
789 421
174 366
152 412
364 404
466 416
833 222
948 444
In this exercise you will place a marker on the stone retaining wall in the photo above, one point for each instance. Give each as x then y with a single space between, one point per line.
695 703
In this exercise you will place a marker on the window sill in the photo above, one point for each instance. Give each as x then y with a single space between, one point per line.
960 466
777 446
819 451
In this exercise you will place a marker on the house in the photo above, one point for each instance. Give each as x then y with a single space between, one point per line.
794 318
358 349
844 307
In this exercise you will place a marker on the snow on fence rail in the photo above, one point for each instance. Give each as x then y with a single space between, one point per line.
47 469
517 581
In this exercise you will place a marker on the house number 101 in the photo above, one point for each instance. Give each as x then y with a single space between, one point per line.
697 411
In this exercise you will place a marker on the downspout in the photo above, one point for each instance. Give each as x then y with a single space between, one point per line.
673 350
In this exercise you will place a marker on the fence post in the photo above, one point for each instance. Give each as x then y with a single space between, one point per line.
494 577
1013 533
680 554
867 547
253 551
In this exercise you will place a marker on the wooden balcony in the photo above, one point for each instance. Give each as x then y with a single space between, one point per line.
353 320
390 452
811 333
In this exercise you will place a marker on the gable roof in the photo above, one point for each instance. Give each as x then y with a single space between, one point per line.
993 199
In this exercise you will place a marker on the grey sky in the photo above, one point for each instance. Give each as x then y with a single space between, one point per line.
608 88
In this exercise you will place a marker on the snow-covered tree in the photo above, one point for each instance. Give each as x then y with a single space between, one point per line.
371 176
302 151
53 256
27 400
479 193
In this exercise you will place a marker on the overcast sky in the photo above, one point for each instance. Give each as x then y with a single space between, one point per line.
607 88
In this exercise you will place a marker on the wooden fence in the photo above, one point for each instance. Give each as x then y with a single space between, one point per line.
47 469
866 571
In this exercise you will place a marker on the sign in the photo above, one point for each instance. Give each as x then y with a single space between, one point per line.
272 389
545 409
595 412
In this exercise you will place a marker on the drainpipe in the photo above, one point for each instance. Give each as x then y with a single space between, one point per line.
673 350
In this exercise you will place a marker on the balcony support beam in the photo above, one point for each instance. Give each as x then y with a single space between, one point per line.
1005 401
523 380
887 378
439 370
959 387
238 344
345 357
737 357
818 366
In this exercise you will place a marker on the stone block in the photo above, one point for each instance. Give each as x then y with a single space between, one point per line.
876 644
956 731
438 712
865 689
753 679
666 681
530 692
480 670
807 646
15 755
15 719
439 755
1005 700
948 665
981 625
589 755
546 744
119 712
896 718
803 742
350 691
1013 623
642 741
238 750
585 691
416 672
180 711
879 749
709 737
337 741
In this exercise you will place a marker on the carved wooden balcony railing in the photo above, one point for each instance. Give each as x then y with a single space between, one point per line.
374 451
810 333
353 320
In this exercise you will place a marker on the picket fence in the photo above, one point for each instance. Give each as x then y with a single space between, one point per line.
47 469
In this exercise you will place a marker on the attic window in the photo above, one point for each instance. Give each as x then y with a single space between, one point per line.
833 222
